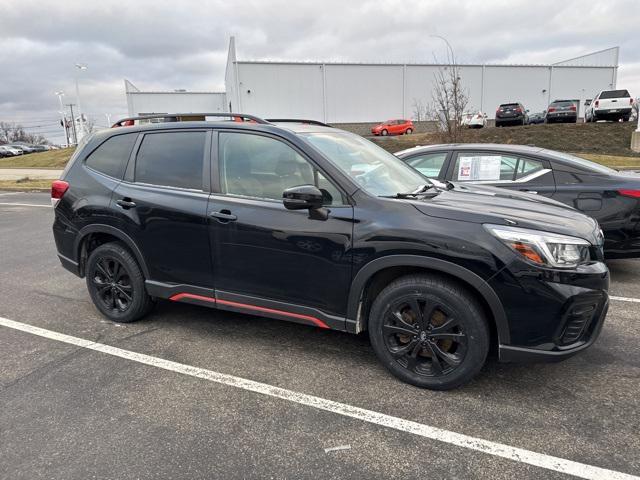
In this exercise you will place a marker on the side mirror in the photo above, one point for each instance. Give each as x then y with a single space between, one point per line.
302 197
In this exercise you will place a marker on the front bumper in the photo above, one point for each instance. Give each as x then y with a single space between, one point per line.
585 333
551 314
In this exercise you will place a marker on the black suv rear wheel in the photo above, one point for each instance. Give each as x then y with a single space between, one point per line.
428 331
116 283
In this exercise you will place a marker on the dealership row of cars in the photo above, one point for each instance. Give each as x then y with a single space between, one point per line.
612 105
15 149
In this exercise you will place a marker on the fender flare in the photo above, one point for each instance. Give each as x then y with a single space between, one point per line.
119 234
467 276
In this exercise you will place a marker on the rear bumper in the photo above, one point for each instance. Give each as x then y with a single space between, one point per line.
619 112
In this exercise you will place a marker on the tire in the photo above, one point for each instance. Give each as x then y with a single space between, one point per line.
625 118
409 131
116 284
460 350
384 133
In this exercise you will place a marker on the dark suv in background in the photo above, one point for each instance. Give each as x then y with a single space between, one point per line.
511 114
311 224
565 111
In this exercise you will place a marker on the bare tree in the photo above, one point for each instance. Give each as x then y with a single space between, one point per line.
12 132
419 110
450 98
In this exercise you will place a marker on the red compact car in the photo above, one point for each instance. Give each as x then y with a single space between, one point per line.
393 127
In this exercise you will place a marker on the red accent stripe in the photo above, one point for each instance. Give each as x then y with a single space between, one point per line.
179 296
316 321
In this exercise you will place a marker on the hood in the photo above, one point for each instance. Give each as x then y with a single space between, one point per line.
481 204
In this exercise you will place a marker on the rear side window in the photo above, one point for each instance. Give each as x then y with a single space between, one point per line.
615 94
111 157
173 159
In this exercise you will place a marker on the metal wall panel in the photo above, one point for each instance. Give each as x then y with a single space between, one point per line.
281 90
363 93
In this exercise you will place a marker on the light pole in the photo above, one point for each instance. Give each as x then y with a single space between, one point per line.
62 117
79 67
108 115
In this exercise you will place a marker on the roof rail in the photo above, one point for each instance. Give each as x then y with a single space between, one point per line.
178 117
298 120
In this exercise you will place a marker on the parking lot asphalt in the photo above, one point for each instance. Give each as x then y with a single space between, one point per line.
71 412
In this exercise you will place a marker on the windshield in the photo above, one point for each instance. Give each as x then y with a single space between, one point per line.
581 162
373 168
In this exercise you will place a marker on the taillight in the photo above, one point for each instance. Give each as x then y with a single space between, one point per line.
551 109
630 193
631 101
572 108
597 103
58 189
478 116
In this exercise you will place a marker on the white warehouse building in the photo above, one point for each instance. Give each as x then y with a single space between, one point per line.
366 92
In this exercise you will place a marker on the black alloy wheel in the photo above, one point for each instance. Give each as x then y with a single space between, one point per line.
423 336
429 331
116 283
113 284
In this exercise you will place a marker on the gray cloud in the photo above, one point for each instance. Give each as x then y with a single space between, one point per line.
165 45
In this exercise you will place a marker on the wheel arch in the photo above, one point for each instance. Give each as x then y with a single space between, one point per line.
411 264
86 233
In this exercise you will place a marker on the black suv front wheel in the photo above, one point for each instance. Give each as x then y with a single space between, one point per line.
428 331
116 283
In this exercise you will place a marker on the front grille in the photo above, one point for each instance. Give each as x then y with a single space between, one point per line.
579 318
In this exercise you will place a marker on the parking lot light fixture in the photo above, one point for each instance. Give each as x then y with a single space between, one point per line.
60 94
79 67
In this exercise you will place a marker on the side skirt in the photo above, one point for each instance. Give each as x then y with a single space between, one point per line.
245 304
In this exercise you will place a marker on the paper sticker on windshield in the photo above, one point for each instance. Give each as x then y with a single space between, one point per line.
480 167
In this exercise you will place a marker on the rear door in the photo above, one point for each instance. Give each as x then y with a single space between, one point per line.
503 169
162 205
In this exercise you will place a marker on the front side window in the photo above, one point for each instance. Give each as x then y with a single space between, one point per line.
484 167
263 167
173 159
428 164
111 157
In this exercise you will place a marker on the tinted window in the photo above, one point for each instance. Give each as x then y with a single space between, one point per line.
580 162
484 167
510 105
263 167
174 159
428 164
615 94
561 104
111 157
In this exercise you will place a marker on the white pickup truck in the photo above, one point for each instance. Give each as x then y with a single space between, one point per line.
609 105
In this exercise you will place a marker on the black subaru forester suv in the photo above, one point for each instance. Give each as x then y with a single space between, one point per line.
311 224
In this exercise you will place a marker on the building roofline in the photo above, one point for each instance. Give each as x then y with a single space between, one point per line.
169 92
373 64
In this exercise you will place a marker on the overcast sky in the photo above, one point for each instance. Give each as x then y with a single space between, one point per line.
166 45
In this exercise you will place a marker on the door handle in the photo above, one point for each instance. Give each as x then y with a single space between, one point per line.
223 216
126 203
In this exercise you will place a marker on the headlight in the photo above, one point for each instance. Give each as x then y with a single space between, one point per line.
543 248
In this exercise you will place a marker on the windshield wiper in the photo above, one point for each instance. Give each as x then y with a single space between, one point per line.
420 191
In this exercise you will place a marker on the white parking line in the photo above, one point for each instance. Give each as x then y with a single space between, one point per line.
625 299
10 193
25 204
541 460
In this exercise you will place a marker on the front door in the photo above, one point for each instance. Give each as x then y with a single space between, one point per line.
269 259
